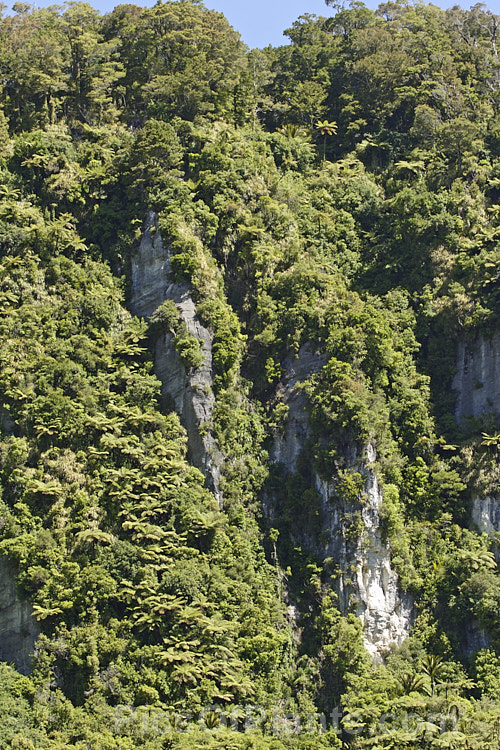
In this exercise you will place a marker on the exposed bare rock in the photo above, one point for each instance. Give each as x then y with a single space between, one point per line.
18 628
150 269
477 379
367 584
288 447
188 390
486 514
7 424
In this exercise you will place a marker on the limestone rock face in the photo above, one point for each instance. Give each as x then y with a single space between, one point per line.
150 268
288 447
486 514
7 425
18 628
474 638
477 385
368 585
477 380
190 392
486 518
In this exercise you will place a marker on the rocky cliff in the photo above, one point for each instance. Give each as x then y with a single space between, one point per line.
477 379
18 628
477 385
486 514
367 584
188 390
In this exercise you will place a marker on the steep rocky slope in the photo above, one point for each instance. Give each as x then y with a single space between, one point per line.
367 583
188 390
477 377
477 387
18 627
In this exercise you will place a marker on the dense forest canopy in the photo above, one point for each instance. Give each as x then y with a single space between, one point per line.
336 195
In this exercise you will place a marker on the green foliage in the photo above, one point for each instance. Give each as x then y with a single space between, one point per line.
391 514
334 198
130 574
19 724
166 319
487 672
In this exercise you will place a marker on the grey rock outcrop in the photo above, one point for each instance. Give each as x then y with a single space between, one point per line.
486 518
7 424
18 628
150 270
477 379
289 445
477 386
189 391
474 638
367 583
486 514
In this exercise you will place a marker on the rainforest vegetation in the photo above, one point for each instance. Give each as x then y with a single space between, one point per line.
340 192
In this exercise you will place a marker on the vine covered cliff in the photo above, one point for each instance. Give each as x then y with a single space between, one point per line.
249 405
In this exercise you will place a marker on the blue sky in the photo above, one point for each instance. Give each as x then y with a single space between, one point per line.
262 22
